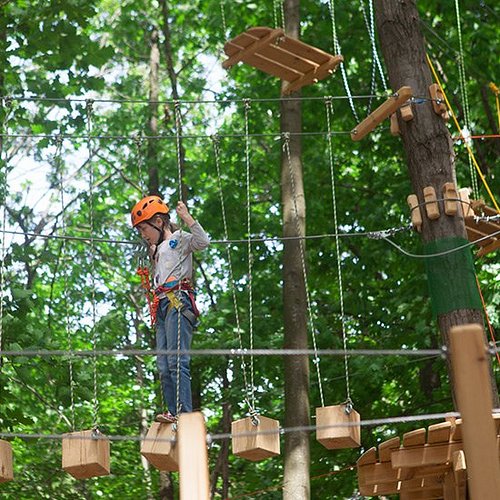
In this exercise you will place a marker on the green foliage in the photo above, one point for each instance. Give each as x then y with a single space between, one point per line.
100 49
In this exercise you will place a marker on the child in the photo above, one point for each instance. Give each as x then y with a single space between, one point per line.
171 255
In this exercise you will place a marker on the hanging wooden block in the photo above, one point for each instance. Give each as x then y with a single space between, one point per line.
85 456
256 442
291 60
159 449
385 110
416 215
395 125
6 469
450 196
334 436
431 205
406 112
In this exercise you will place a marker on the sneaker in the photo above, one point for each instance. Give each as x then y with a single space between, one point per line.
166 418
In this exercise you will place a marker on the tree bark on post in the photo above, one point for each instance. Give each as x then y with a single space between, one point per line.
430 159
296 481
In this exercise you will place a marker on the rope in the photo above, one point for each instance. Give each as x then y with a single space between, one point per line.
337 50
140 161
329 113
496 91
223 18
89 107
490 326
251 402
316 361
469 150
465 99
59 169
230 265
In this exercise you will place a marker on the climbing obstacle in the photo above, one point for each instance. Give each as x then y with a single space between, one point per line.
385 110
160 448
256 439
479 230
338 427
6 468
85 454
291 60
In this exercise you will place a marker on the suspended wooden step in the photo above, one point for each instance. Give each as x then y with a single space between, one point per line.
385 110
256 442
291 60
85 454
6 469
338 427
429 463
481 229
159 449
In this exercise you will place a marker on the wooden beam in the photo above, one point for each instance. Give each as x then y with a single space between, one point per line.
6 469
470 362
193 457
381 113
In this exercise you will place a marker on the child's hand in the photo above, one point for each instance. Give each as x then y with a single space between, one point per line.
184 214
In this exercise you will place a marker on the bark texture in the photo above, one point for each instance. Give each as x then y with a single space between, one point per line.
296 480
426 140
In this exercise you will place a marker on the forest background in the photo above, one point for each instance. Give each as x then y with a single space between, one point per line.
56 293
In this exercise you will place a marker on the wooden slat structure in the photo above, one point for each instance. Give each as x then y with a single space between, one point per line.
271 51
479 230
427 463
385 110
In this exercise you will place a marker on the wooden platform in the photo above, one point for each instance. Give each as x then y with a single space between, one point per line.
428 463
477 230
291 60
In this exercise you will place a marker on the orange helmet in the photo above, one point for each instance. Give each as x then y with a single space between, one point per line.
147 208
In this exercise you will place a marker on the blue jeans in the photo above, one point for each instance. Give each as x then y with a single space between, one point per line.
167 328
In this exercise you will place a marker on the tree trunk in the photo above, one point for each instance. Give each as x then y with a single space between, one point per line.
296 480
430 158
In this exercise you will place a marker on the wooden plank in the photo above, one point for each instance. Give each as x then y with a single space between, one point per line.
304 50
470 362
193 457
6 467
285 58
431 205
378 473
379 489
252 48
428 454
450 196
459 467
414 438
483 226
381 113
474 235
439 433
423 483
463 194
313 76
488 248
272 67
368 457
431 494
386 448
395 131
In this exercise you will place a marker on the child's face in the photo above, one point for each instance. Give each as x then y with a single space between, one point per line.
148 233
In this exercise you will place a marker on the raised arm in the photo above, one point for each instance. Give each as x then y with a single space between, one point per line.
199 239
